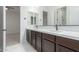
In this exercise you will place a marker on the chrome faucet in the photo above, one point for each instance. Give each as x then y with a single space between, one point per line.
56 27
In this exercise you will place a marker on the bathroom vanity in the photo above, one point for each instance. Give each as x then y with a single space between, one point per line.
45 42
53 40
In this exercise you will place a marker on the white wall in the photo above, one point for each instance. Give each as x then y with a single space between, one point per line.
23 23
13 21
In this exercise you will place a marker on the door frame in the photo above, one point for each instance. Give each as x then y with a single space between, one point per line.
4 27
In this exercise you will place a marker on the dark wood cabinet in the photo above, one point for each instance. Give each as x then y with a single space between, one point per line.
38 41
60 48
47 46
43 42
48 43
29 36
38 44
33 38
68 44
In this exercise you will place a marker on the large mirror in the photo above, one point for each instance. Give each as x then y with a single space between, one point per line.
68 15
55 15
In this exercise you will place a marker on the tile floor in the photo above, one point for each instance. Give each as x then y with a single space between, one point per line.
20 47
13 44
12 39
15 48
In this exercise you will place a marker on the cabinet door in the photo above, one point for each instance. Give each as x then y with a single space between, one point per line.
47 46
33 38
69 43
38 44
33 42
27 35
62 49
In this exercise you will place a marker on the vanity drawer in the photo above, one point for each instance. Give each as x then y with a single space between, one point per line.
48 37
70 43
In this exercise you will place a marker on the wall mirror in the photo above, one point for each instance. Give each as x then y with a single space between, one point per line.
68 15
60 16
33 18
54 15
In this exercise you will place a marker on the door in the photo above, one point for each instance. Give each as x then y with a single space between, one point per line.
38 44
33 38
29 36
47 46
2 29
62 49
38 41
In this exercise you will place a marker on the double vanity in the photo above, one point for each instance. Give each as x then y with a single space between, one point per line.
59 32
53 41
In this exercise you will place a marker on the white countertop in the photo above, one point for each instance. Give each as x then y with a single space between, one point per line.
67 34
